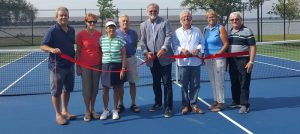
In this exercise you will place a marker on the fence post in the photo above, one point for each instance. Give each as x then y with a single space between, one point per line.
243 12
167 13
117 16
32 30
261 21
258 29
284 19
141 15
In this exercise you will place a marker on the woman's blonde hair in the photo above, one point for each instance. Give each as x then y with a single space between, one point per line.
211 12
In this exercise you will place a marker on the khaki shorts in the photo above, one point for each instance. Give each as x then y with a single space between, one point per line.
132 73
62 79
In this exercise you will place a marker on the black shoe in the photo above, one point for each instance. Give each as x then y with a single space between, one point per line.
135 108
155 107
168 113
121 108
234 105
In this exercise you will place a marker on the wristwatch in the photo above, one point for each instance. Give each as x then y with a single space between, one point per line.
251 62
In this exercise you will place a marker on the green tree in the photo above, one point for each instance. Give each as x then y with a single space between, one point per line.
15 11
222 7
107 9
291 10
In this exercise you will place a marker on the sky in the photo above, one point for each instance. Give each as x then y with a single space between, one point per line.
121 4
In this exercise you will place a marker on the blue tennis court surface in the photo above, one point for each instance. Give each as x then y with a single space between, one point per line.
275 108
275 103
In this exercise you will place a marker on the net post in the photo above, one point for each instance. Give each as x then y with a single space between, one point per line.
176 73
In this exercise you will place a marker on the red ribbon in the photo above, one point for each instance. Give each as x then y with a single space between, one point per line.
223 55
66 57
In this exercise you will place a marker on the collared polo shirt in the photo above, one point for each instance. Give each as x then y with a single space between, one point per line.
56 37
130 38
241 40
213 42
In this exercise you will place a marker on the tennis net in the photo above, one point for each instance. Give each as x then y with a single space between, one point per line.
25 71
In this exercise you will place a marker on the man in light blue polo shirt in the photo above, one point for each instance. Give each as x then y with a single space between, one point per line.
60 38
130 36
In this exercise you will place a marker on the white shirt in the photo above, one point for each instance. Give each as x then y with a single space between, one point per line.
190 40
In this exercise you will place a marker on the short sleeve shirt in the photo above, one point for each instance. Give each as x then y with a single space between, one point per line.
241 40
131 41
90 50
56 37
112 49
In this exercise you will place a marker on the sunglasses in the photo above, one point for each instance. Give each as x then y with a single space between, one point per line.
153 11
236 19
90 22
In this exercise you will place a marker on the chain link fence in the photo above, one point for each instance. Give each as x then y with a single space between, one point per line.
31 33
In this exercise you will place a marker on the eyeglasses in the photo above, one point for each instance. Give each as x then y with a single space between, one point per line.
235 19
90 22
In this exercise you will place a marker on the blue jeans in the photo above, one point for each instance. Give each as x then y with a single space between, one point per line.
190 80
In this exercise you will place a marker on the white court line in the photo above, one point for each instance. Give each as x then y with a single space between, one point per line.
140 59
277 57
222 114
14 60
278 66
22 77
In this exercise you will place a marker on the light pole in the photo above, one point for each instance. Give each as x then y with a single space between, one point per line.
258 23
284 19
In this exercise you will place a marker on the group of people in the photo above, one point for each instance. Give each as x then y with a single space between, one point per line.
114 54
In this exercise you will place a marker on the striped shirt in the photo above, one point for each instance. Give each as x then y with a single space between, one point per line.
112 49
241 40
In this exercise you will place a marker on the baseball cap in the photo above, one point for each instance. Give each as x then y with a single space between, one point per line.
109 23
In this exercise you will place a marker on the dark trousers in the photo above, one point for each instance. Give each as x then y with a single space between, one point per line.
240 80
163 73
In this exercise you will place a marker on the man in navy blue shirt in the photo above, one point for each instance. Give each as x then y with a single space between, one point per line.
130 36
60 38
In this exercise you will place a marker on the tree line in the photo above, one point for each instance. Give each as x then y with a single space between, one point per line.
21 11
13 11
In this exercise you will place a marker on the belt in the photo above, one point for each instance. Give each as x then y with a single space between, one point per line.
129 56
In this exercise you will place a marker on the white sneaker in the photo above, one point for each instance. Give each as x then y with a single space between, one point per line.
115 115
244 110
105 114
87 117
